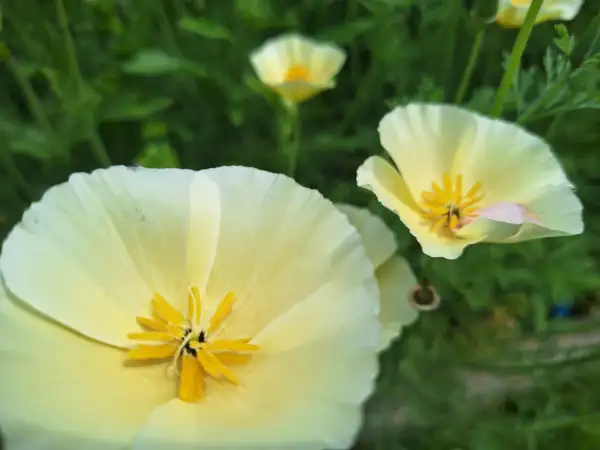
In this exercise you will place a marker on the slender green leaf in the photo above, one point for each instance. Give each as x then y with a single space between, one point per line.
204 28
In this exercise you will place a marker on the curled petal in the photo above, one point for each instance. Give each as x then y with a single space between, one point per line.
396 282
378 239
385 182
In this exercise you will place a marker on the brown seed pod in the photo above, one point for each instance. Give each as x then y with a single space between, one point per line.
424 299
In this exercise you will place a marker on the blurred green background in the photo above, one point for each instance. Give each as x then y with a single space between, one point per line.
88 83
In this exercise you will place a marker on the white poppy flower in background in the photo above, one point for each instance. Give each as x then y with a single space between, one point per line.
463 178
395 278
146 309
297 67
511 13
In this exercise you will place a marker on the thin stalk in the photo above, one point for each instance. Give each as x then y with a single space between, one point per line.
564 422
94 138
553 128
596 23
451 28
370 82
471 64
167 29
35 106
63 22
549 93
14 173
290 135
425 294
98 149
351 14
515 57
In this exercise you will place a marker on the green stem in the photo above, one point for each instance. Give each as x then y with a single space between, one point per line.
564 422
351 14
553 128
515 57
16 176
167 30
450 44
426 296
548 94
98 149
595 22
531 440
291 137
35 106
63 21
96 144
472 63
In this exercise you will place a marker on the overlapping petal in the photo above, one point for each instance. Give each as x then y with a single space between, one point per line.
394 276
91 253
511 13
381 178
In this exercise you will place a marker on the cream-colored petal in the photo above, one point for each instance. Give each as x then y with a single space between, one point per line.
322 60
396 282
203 233
493 231
385 182
512 15
270 62
91 253
61 391
559 213
378 239
297 91
564 9
304 389
278 243
502 148
423 139
326 60
298 48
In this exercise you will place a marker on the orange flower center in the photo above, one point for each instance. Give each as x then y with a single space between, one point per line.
194 355
296 72
446 207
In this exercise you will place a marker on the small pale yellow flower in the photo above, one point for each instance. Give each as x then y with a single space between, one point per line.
395 278
148 309
511 13
462 178
297 67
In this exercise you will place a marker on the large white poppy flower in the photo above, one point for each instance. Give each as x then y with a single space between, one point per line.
511 13
462 178
297 67
395 278
148 309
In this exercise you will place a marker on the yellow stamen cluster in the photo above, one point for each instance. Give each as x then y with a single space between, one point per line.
446 207
193 356
296 72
